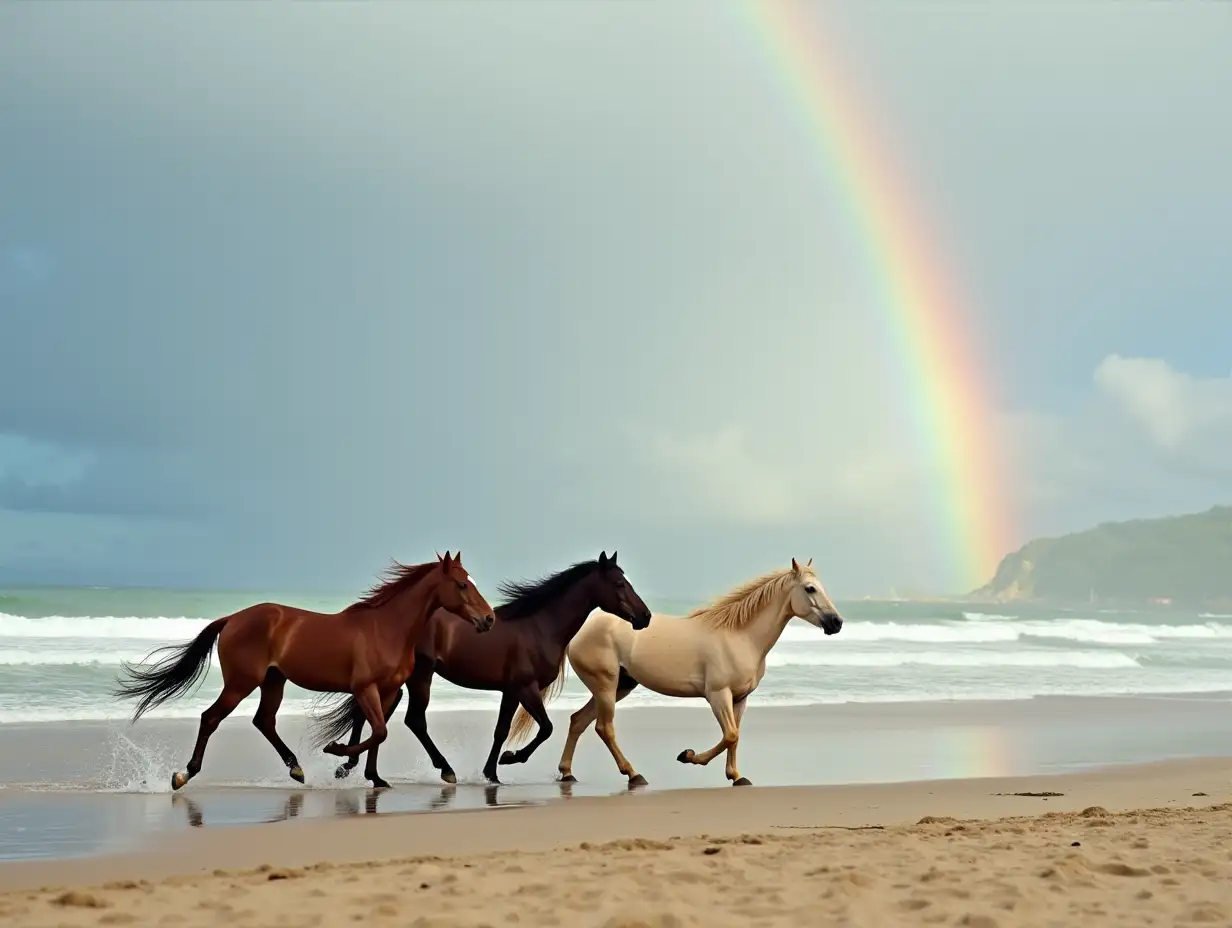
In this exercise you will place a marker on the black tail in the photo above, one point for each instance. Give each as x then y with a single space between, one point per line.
174 675
334 723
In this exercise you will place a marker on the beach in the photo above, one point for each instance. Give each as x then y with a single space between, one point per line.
934 766
1140 844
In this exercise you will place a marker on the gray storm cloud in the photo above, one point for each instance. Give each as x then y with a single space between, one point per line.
333 284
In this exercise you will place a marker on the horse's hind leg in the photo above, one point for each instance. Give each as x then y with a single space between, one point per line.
233 693
607 694
419 691
357 729
266 720
580 721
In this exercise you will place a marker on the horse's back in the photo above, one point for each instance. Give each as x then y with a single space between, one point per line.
667 656
297 641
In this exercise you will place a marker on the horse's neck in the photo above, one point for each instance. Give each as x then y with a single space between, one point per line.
563 619
764 629
406 615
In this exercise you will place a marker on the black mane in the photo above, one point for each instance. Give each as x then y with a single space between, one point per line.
526 597
396 578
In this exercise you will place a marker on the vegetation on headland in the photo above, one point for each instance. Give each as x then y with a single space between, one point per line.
1178 560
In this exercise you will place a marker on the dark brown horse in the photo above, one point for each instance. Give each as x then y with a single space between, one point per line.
367 650
521 657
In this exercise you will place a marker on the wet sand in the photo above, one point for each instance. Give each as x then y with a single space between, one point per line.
76 790
968 852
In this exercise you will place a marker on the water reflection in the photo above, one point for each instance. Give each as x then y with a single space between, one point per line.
347 803
196 818
72 824
443 799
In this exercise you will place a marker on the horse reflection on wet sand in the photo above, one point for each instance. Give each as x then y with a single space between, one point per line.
354 802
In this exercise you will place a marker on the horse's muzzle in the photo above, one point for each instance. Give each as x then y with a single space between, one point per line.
641 620
832 624
485 623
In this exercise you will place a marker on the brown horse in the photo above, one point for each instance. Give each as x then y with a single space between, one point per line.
367 650
520 658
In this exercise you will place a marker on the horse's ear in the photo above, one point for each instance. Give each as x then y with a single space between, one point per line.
457 559
445 562
810 563
612 559
602 558
795 567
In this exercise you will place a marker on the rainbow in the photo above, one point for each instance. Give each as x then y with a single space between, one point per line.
920 306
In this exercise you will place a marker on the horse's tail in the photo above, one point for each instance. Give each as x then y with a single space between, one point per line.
174 675
522 720
333 724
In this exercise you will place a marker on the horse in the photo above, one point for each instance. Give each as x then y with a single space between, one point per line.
717 652
522 656
367 650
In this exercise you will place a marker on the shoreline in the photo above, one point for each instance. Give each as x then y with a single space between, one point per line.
818 770
1192 787
88 790
780 745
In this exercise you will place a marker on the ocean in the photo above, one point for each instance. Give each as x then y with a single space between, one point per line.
60 651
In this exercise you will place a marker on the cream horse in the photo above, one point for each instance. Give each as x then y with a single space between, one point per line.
717 652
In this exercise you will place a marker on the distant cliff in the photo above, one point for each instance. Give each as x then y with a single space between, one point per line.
1186 560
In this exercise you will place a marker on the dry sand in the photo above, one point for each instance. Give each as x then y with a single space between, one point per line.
950 852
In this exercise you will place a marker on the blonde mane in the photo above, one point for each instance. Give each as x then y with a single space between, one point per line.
738 607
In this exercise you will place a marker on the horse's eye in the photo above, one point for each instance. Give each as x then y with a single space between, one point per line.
810 589
462 586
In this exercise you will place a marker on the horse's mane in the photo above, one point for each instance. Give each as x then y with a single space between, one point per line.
526 597
394 579
737 608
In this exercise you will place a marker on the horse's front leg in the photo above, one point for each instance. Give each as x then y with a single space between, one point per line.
386 710
732 772
357 729
532 702
373 706
504 721
724 713
419 691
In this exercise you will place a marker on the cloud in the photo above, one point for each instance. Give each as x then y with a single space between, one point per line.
1177 411
1146 440
459 301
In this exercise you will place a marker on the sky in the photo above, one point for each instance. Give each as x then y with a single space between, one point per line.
289 290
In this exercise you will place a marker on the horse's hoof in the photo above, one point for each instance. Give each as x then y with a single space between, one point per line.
297 773
636 781
743 781
568 778
342 772
334 748
686 756
178 780
509 757
378 783
449 776
492 778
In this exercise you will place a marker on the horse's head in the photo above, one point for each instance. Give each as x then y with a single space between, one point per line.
457 593
810 602
615 594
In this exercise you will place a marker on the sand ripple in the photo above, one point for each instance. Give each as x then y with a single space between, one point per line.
1151 867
